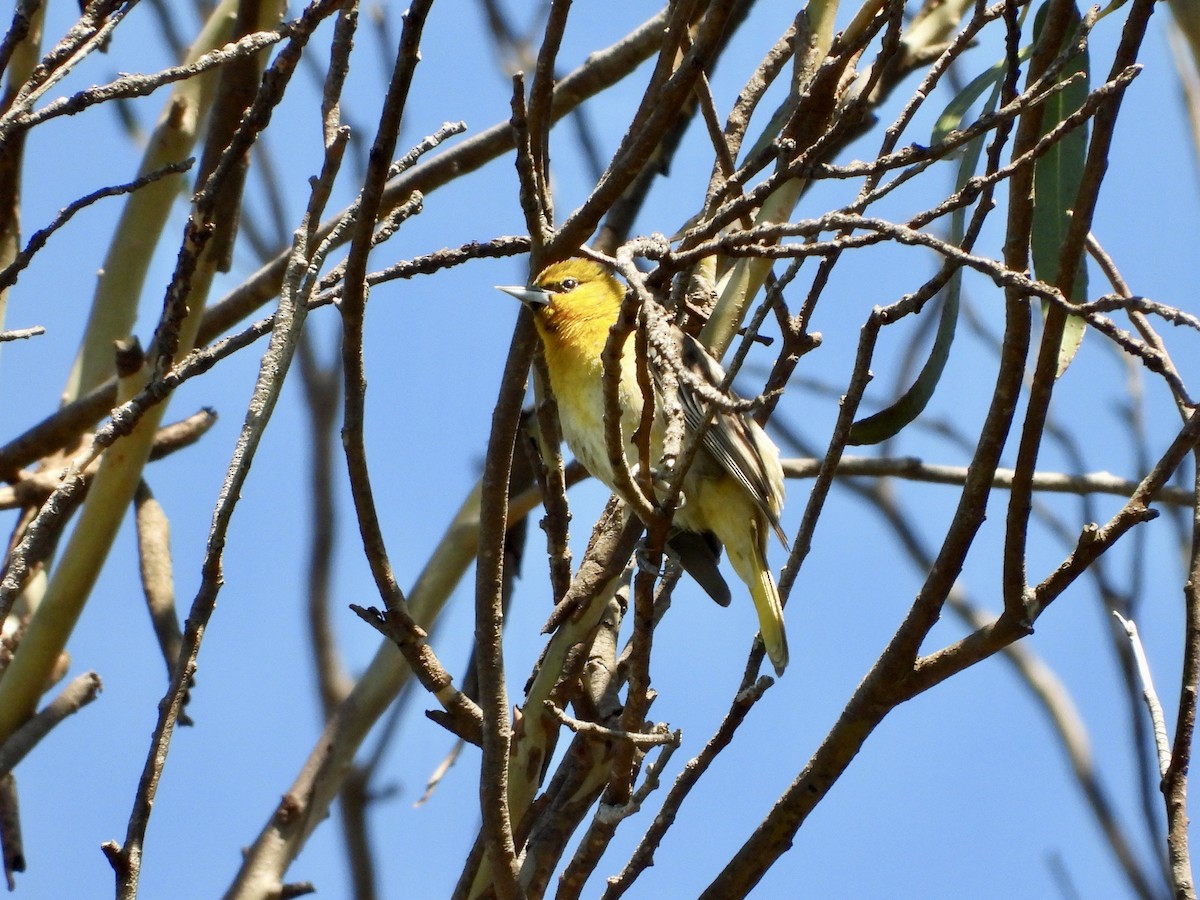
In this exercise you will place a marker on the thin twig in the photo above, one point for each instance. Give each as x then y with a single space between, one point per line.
76 695
22 334
273 369
1161 742
1175 779
601 71
913 469
497 832
657 736
643 855
38 239
23 117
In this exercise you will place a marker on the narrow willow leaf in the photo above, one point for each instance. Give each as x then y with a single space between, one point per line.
1056 179
952 116
888 422
742 281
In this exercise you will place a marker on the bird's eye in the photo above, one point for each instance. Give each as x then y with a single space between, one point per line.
568 284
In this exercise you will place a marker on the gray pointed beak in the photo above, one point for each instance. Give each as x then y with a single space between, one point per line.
534 298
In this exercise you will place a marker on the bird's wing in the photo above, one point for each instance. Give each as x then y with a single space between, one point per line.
698 552
737 443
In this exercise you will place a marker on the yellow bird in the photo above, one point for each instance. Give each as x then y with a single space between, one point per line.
733 490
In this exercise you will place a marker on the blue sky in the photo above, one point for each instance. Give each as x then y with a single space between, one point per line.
963 785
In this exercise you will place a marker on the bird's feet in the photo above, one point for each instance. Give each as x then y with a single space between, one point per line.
660 481
641 556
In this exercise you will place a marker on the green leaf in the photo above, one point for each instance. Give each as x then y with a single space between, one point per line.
1056 178
888 422
952 116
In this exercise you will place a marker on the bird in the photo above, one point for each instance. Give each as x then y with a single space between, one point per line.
733 491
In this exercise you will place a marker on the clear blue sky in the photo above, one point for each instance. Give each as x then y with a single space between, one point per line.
963 786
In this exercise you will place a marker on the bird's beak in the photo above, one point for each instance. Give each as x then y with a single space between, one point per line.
534 298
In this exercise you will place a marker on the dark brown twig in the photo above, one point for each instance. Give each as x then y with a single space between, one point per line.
643 854
463 716
38 239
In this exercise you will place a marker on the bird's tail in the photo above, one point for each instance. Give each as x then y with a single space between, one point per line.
770 617
749 560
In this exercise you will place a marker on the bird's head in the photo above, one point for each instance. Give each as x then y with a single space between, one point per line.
572 291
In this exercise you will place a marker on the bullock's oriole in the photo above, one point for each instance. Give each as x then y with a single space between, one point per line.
733 490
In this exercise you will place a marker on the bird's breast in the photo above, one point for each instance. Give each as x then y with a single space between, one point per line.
578 383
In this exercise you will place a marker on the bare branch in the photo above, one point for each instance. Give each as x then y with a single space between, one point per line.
912 469
1161 742
76 695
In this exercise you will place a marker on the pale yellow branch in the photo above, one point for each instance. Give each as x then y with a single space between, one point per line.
122 278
